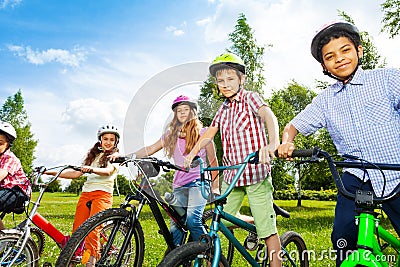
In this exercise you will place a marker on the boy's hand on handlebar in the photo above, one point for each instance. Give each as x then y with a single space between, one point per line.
285 150
263 155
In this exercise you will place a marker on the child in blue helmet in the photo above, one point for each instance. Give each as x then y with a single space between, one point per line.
361 113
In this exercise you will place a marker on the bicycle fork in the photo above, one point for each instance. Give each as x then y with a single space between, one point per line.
132 219
368 252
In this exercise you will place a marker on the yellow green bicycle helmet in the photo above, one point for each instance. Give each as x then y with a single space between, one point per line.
227 59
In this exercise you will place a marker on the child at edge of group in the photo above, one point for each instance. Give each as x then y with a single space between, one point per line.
182 133
241 119
97 191
15 187
361 113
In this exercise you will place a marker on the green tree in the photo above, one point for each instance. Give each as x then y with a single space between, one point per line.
245 46
163 183
391 17
371 59
54 187
13 111
76 185
122 186
287 103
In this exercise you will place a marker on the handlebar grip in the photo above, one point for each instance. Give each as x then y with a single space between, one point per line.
300 153
76 168
120 160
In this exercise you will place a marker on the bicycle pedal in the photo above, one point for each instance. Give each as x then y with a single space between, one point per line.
251 242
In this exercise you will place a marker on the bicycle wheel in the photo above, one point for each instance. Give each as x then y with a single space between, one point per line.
111 220
8 250
295 250
39 238
188 253
227 246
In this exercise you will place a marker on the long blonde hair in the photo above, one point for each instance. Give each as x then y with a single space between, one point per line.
190 129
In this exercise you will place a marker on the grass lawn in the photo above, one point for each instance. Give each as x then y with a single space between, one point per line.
313 221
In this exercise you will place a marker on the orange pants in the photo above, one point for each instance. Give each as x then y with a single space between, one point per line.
100 201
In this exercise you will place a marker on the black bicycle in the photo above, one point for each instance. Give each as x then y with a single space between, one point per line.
124 244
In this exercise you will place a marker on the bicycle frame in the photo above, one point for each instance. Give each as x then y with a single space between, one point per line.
219 214
152 198
153 201
34 217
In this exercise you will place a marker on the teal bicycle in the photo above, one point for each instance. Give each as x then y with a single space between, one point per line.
373 240
208 250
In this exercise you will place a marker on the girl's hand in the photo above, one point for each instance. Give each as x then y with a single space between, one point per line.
86 169
188 160
113 156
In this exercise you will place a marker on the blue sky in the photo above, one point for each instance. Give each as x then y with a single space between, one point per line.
79 64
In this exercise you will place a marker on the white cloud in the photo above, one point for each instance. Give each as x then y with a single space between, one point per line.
203 22
175 31
70 58
9 3
90 113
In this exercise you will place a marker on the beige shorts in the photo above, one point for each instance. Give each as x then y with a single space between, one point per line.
261 205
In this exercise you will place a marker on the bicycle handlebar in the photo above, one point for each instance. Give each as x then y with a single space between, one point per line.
161 163
41 170
316 153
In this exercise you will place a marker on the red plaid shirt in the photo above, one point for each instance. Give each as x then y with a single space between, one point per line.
242 132
16 176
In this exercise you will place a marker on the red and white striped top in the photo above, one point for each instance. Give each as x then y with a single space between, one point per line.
242 132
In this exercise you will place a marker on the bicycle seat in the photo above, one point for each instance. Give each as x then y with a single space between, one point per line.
279 211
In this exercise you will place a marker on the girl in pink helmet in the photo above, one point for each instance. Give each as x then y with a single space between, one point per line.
181 135
97 191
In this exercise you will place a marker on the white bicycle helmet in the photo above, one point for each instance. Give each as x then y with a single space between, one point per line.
7 129
108 129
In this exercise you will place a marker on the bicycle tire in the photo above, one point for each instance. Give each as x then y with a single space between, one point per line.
186 254
8 249
134 254
295 246
38 236
227 246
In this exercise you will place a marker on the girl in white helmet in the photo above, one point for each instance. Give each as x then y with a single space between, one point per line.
97 191
15 187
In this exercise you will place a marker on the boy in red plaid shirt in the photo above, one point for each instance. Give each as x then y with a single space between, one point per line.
241 120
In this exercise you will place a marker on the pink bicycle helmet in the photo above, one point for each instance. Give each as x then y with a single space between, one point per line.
182 99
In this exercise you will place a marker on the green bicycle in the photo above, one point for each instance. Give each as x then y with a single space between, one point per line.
370 252
209 251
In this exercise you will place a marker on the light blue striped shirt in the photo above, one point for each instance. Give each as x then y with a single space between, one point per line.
363 119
